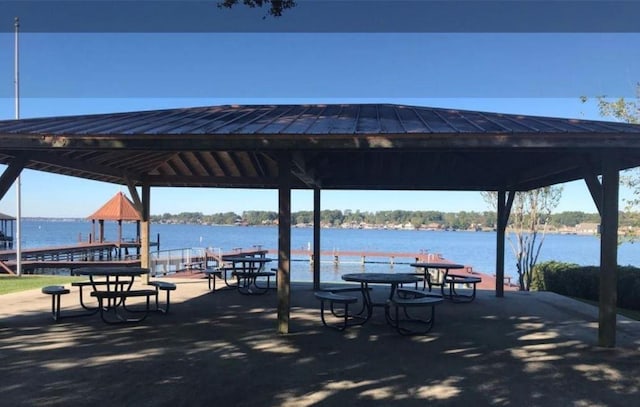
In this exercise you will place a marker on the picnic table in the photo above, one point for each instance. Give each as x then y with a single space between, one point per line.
112 286
448 280
248 271
391 279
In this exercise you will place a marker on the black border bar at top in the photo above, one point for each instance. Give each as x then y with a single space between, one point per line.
324 16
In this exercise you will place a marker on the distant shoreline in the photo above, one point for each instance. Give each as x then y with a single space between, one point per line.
566 231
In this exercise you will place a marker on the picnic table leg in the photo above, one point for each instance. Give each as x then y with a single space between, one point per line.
366 297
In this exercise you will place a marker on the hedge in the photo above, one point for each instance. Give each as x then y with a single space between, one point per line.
583 282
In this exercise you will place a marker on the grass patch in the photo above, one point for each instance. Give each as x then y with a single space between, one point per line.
12 284
629 313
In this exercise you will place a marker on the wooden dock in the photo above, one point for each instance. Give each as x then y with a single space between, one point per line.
72 256
364 257
118 253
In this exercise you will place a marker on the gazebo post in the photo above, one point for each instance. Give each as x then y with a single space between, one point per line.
316 238
138 236
284 243
145 230
504 209
608 254
119 238
101 227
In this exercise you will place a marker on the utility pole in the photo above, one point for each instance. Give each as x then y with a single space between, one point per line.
16 84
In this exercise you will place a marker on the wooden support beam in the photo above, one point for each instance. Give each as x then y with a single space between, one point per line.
608 253
10 174
137 202
504 210
145 251
223 182
316 238
595 188
302 172
284 242
88 166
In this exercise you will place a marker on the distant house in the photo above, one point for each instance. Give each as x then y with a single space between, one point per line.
588 228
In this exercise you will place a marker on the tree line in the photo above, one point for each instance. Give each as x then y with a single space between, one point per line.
454 220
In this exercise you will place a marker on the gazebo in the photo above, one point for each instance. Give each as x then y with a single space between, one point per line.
342 146
119 209
6 231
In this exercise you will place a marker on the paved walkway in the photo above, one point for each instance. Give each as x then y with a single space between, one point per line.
534 349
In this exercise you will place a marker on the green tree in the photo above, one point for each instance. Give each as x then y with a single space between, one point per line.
303 217
276 7
568 218
528 223
627 111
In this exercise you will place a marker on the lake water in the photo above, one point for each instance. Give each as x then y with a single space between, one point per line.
476 249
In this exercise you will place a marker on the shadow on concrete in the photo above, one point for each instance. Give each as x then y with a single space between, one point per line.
223 348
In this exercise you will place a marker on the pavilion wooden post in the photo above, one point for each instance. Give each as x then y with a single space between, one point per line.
101 232
608 253
144 230
316 238
138 236
120 239
504 209
284 242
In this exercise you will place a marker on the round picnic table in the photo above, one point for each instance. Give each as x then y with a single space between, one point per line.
440 279
247 270
392 279
117 282
449 280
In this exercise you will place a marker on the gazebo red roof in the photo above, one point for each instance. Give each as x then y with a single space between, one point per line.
117 208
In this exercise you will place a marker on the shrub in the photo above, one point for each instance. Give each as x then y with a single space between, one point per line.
583 282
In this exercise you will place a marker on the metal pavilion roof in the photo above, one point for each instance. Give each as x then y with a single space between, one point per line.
347 146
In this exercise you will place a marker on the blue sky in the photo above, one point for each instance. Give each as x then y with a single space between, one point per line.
83 73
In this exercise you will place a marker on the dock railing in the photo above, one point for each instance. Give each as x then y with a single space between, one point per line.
171 261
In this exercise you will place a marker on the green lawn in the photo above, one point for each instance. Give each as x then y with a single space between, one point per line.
12 284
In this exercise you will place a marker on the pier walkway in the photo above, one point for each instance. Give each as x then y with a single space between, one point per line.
71 256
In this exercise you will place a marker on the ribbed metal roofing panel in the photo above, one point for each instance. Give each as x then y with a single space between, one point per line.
324 122
306 119
336 146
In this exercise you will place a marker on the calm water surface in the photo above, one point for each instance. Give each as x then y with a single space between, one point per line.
476 249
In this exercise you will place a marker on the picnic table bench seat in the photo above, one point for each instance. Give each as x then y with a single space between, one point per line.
163 286
337 290
348 289
248 274
407 324
55 291
248 281
347 319
415 293
82 284
211 274
122 296
455 279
